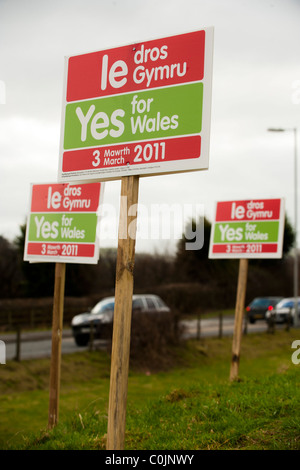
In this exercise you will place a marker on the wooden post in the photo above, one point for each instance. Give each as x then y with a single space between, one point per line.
91 342
220 324
18 344
238 319
198 326
122 316
57 327
246 324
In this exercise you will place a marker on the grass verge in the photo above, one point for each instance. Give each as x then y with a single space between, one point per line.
187 402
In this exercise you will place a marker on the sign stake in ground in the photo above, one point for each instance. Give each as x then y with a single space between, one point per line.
61 228
243 230
238 319
122 315
57 328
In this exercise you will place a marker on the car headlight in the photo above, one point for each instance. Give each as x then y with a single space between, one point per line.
77 320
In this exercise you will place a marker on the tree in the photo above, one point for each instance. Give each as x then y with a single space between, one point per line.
81 279
289 237
10 273
288 244
192 264
195 266
37 278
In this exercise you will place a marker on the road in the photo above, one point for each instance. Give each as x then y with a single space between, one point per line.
210 327
38 344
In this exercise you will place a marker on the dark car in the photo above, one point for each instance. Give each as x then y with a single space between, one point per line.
258 308
101 317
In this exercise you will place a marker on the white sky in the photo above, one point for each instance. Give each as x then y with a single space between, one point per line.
256 85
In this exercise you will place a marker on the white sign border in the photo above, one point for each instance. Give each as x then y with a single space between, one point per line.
276 255
167 167
63 259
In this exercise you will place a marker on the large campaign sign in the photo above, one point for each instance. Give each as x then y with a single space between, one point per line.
62 223
248 229
140 109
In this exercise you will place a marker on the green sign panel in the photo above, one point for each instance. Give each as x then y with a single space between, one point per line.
246 232
63 227
153 114
248 229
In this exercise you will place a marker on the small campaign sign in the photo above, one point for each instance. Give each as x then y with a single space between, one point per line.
62 223
141 109
248 229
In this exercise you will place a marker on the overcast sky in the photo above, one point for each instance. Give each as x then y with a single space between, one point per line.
256 85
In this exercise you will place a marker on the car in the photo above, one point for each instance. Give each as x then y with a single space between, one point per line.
101 317
284 311
259 306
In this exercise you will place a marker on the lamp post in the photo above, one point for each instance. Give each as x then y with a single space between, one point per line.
294 130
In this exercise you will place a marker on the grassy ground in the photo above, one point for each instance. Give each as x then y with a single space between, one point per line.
185 401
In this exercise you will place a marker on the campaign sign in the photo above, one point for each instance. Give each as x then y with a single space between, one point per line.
248 229
141 109
62 223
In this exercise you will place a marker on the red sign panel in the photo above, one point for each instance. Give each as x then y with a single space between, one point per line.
248 210
152 64
65 197
62 223
132 154
248 229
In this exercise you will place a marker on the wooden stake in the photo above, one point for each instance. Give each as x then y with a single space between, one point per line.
57 327
220 324
238 319
122 315
18 346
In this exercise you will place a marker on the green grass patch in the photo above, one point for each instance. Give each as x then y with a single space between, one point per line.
187 403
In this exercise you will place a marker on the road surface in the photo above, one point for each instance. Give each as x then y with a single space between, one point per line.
38 344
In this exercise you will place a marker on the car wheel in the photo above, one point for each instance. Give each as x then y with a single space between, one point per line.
251 320
82 340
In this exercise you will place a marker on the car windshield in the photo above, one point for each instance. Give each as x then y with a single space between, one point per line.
137 303
287 304
260 303
160 302
103 306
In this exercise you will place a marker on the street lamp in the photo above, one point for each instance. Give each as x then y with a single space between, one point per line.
294 130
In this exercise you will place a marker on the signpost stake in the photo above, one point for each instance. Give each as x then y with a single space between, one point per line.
238 319
122 315
57 326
